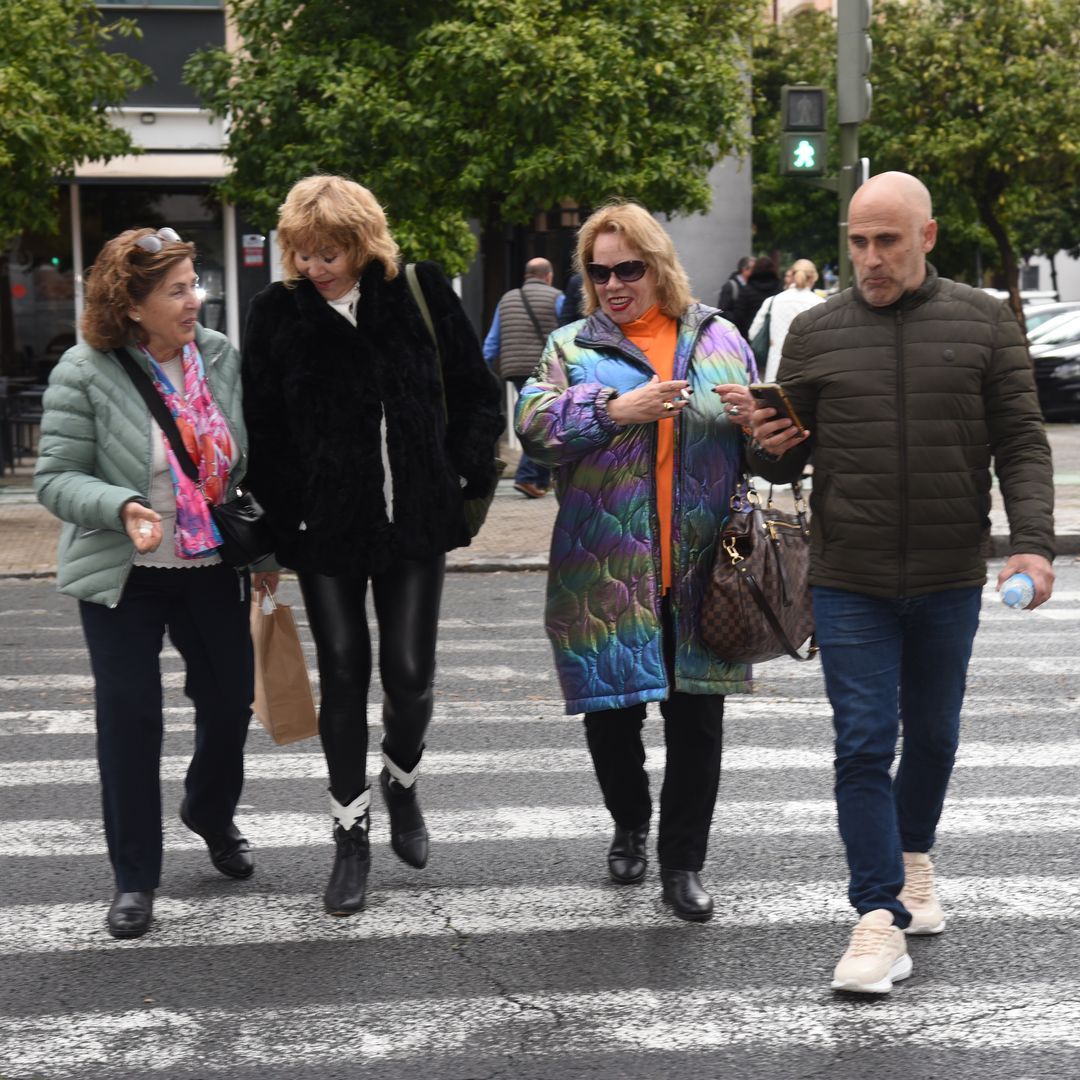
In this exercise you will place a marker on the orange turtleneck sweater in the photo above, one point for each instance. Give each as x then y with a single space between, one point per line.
656 335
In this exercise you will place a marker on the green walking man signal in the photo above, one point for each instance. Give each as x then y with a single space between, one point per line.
804 143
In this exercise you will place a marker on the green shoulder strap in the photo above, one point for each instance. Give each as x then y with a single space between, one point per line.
421 302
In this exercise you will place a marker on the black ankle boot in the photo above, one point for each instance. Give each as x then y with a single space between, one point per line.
684 892
408 833
130 914
348 879
627 857
352 858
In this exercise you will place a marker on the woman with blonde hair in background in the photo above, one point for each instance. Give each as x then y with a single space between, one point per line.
781 310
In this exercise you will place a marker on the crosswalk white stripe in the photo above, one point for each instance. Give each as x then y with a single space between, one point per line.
418 912
541 760
1015 1015
796 817
774 709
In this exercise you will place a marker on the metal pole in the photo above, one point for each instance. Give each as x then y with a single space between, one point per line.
849 164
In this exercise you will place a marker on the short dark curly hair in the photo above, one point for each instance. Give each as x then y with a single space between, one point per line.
124 275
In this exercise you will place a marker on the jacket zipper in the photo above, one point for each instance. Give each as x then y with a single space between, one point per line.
902 420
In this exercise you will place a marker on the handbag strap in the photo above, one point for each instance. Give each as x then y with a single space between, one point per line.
159 411
532 316
772 620
425 312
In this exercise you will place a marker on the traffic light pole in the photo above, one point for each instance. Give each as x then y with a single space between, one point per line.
847 182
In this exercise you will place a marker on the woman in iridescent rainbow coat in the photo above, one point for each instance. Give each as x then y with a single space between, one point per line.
646 460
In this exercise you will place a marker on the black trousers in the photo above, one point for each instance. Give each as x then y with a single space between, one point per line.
693 736
407 599
206 613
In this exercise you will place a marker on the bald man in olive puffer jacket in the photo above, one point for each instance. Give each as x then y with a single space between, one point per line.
908 387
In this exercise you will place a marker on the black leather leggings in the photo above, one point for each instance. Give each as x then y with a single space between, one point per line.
407 599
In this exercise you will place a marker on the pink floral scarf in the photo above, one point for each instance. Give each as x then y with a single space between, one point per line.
209 444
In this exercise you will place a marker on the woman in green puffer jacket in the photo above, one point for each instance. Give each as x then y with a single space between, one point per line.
138 551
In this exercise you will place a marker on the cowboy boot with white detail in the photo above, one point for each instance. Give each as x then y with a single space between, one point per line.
408 833
348 879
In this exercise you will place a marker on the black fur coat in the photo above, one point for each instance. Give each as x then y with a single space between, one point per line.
313 385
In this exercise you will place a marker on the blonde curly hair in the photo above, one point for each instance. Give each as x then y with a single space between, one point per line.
322 212
123 275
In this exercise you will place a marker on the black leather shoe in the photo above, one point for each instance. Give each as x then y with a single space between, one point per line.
229 851
408 833
626 858
130 914
348 879
683 891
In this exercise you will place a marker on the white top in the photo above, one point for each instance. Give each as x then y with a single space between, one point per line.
784 307
345 306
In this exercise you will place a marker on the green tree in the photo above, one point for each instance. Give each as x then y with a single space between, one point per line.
982 99
57 83
490 110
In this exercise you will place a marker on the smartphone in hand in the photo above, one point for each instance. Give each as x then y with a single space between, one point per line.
772 396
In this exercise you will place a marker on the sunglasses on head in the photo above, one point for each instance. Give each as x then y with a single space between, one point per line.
152 244
631 270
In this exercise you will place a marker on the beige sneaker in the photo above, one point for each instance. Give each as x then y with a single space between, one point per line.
919 896
876 957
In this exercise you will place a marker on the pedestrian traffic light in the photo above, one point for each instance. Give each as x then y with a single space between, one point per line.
804 143
853 52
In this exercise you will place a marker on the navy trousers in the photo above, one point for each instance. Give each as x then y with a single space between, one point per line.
206 612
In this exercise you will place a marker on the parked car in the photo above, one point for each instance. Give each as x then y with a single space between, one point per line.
1062 330
1057 379
1038 315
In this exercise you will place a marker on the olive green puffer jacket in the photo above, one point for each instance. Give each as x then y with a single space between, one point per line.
906 405
95 455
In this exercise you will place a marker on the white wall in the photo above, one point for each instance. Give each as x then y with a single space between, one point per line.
1068 275
709 245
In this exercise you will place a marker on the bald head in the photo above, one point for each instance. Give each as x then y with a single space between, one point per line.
539 270
891 230
897 189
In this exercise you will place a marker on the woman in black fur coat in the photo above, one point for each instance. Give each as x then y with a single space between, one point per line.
362 472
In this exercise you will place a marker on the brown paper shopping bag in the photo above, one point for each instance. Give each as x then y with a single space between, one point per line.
284 702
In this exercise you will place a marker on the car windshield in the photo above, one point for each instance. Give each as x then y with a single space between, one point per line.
1058 330
1041 314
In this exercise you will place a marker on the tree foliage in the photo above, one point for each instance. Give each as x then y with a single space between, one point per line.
983 100
57 83
480 109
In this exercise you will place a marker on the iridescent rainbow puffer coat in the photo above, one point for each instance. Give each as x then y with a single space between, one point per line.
604 585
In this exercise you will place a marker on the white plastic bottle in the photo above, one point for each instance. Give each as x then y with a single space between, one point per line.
1018 591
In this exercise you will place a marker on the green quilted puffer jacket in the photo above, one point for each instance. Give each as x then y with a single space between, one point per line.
95 455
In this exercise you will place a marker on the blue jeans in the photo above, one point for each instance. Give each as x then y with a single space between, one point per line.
529 471
886 661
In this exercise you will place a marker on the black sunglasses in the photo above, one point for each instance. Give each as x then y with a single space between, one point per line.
152 244
631 270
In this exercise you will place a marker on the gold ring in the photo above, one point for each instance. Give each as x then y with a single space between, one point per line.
668 407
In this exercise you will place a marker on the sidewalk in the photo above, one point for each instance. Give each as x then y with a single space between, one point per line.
518 530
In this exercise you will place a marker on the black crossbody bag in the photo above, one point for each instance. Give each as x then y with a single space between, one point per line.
246 536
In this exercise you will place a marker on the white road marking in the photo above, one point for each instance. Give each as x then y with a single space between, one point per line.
541 760
417 912
795 817
1031 1015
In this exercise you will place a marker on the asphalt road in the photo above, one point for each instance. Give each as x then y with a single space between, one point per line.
510 955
